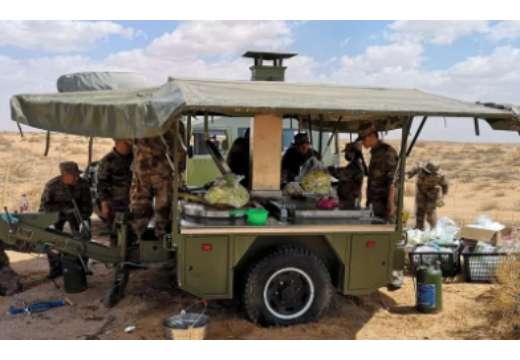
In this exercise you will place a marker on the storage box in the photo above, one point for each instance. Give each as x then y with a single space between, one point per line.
449 258
481 267
493 237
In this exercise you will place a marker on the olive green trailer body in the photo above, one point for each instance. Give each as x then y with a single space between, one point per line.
284 272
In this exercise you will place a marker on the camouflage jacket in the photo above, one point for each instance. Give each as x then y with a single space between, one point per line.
293 160
428 185
58 197
150 154
381 171
115 177
350 182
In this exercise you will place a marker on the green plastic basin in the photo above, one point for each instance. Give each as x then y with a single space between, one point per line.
257 216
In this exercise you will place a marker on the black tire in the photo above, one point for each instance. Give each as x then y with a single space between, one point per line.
290 286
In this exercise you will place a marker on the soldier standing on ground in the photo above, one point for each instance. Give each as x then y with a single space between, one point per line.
63 194
381 172
114 179
350 177
152 181
430 183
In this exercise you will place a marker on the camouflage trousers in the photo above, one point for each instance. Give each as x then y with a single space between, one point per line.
425 209
425 212
150 196
380 208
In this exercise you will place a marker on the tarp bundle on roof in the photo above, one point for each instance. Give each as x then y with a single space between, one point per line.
148 112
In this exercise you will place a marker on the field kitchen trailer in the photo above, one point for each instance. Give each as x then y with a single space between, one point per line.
286 271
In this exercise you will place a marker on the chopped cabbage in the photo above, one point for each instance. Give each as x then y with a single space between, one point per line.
227 191
317 181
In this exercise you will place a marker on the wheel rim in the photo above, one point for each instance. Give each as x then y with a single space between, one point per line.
289 293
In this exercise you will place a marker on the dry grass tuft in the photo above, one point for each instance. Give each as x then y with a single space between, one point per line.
505 300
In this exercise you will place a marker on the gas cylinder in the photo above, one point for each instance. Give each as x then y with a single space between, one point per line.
429 288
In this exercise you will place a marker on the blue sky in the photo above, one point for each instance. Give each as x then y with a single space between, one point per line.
470 60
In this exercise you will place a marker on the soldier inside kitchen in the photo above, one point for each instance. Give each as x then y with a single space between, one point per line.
381 172
114 180
296 155
69 195
350 177
431 187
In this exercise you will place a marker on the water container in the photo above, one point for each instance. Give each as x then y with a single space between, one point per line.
429 289
74 276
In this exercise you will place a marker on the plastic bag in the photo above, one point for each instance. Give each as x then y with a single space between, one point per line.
227 190
485 222
314 177
444 233
293 189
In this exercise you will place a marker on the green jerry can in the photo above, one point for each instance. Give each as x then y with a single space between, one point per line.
74 275
429 289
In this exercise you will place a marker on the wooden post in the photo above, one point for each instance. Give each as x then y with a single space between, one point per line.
266 152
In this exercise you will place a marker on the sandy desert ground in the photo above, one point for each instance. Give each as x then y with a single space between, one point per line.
484 179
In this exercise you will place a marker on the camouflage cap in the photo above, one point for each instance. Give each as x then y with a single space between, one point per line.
301 138
365 130
69 167
430 167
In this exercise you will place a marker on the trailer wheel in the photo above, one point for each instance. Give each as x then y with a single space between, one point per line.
290 286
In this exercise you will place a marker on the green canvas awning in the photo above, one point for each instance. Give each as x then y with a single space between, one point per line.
148 112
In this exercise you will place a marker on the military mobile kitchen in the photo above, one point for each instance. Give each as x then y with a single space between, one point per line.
283 254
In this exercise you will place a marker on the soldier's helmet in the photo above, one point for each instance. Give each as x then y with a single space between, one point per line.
69 167
430 167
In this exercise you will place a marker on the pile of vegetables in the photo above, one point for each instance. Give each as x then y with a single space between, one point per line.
227 191
317 181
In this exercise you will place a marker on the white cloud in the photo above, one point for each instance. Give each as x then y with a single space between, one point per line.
437 32
59 36
205 49
505 30
395 56
206 38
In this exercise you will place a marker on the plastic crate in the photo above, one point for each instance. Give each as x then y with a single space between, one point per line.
449 259
481 267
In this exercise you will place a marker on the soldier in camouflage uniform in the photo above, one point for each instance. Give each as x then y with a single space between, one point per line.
350 177
381 172
114 179
430 183
58 196
152 179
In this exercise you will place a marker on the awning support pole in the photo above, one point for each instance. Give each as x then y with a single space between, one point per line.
401 170
47 143
206 127
19 128
333 134
320 140
90 147
188 130
477 127
310 130
176 230
416 136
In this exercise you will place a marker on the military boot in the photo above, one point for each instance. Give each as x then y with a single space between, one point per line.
9 281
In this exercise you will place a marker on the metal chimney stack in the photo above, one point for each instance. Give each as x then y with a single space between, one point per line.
263 72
